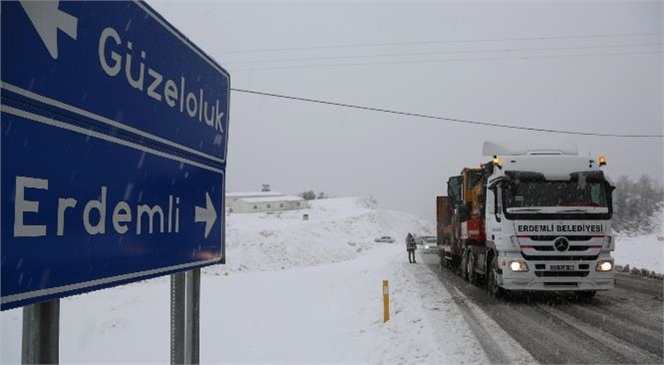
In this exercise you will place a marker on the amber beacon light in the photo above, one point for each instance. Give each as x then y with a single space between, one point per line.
602 160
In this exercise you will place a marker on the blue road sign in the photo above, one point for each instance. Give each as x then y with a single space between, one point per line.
114 138
121 62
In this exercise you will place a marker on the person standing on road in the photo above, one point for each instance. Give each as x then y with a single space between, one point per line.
411 247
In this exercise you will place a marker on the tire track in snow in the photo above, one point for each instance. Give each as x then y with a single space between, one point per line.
486 330
623 352
643 335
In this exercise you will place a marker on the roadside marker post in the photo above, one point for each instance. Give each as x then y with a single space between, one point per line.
386 301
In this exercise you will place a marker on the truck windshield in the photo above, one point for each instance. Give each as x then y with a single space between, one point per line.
530 195
582 190
557 194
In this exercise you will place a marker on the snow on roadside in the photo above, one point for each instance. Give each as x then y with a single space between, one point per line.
328 313
646 251
642 251
422 308
333 313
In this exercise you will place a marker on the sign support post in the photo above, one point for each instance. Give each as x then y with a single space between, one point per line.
195 314
177 318
185 317
41 333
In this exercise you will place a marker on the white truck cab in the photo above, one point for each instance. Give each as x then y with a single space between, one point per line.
548 220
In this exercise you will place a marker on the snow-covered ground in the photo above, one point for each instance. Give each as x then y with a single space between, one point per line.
294 291
645 251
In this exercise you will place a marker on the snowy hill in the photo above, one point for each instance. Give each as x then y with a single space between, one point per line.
337 230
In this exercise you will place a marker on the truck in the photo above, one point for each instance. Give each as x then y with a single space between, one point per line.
531 219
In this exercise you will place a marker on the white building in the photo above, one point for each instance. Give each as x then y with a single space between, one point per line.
233 198
255 202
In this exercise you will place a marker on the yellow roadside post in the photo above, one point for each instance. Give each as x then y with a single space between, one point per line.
386 302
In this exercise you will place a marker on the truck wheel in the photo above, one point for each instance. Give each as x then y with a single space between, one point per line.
464 265
472 275
492 280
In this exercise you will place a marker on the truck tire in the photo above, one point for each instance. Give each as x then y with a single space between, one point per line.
492 280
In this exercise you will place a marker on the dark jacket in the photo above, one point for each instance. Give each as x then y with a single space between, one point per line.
410 243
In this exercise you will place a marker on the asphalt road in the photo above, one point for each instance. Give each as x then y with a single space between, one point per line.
621 326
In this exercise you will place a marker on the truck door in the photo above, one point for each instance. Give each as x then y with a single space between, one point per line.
494 214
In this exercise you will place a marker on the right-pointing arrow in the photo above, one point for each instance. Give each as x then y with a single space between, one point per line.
47 19
207 215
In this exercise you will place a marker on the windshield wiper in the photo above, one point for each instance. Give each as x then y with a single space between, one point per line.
574 210
525 209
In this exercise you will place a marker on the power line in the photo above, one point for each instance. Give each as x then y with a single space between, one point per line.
444 61
391 44
508 50
455 120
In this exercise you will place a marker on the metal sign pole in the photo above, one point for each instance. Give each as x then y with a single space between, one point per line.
41 333
185 317
196 315
177 318
188 319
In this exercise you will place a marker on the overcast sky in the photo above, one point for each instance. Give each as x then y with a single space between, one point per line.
456 60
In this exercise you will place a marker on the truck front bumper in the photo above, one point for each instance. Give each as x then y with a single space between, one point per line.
559 275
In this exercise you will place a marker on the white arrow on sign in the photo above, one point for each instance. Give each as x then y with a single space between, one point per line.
207 215
47 19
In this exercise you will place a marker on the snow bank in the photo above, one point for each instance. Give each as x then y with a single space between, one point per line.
337 230
645 251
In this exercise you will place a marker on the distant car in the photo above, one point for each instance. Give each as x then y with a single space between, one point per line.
430 244
386 239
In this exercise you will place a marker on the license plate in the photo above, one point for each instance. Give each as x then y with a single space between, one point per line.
561 267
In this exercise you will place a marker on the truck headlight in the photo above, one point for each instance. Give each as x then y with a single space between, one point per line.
518 266
604 265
